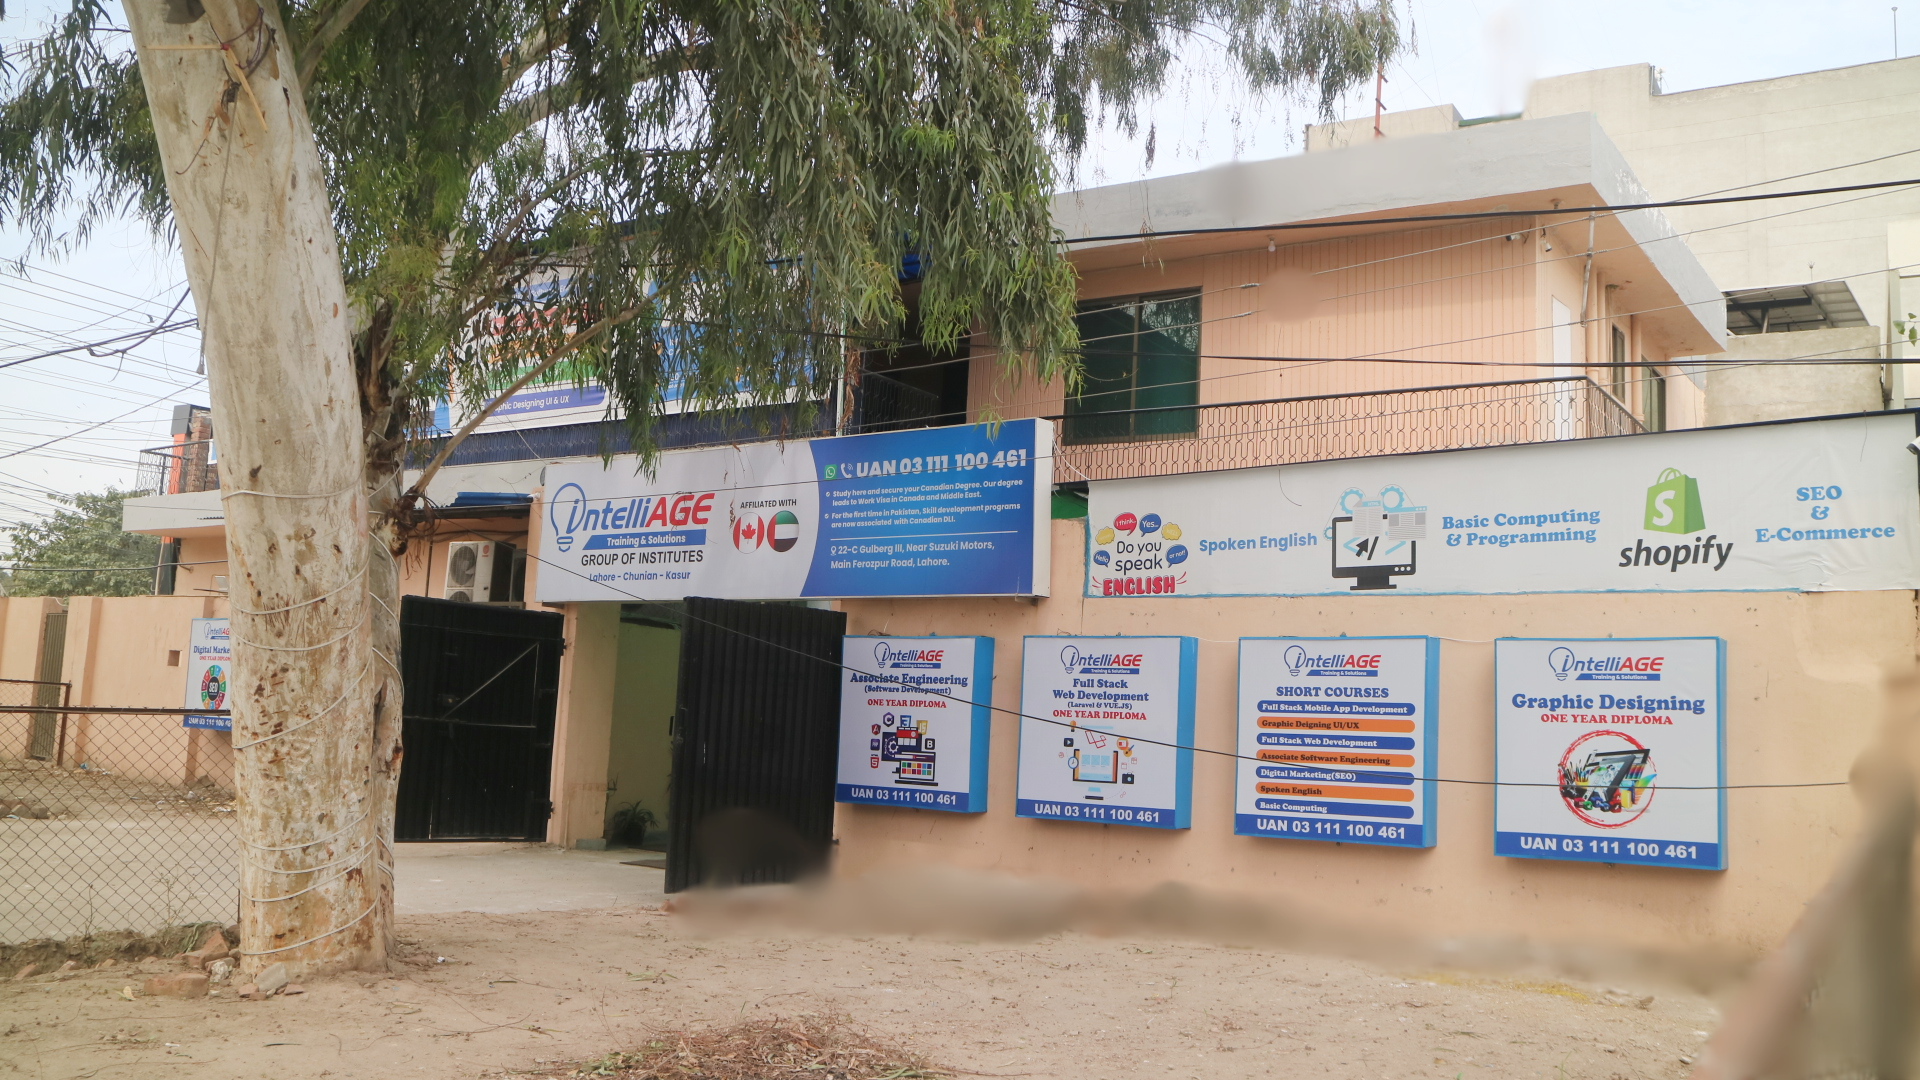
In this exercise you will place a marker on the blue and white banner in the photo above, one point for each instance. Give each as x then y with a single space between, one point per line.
1338 739
1611 750
1107 731
949 511
1816 505
915 722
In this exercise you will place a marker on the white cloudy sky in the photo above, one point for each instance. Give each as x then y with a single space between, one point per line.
1478 55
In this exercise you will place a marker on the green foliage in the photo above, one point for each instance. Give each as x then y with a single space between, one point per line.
702 199
630 824
87 535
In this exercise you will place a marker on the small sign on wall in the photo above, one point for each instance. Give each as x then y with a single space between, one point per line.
915 722
1107 731
1338 739
1611 750
209 673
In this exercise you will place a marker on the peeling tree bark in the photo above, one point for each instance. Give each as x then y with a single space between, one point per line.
250 203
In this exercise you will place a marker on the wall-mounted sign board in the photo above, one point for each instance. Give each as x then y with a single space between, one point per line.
1337 739
1106 731
209 673
951 511
1611 750
915 722
1815 505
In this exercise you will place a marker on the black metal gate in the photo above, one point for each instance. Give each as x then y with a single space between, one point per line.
481 686
755 744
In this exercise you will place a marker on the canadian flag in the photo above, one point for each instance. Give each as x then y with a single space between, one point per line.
749 532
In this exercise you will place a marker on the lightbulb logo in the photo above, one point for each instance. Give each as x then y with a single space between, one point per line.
565 511
1296 658
1561 661
1070 657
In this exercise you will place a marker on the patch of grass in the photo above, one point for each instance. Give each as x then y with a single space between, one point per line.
803 1047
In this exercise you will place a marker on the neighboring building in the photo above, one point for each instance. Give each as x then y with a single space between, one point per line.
1847 261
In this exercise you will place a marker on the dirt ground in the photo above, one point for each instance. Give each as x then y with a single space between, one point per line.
490 995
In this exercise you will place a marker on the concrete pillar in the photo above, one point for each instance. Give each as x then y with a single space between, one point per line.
583 730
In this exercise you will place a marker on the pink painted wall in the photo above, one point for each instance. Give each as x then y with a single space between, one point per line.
1804 691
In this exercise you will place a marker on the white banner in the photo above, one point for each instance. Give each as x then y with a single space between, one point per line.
1611 750
1817 505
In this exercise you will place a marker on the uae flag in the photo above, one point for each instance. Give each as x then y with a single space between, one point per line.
784 531
749 532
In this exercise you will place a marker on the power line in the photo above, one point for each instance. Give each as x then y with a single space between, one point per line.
164 328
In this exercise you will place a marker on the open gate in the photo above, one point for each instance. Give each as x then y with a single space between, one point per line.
755 743
482 684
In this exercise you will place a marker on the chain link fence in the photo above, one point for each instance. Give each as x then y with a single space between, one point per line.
111 819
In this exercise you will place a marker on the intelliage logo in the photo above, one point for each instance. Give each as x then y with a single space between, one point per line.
887 656
1077 662
1563 662
566 510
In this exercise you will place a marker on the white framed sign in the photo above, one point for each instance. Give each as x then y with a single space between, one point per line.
209 673
915 722
1814 505
1106 734
1338 739
1611 750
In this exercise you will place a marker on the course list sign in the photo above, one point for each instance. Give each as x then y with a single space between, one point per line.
1337 739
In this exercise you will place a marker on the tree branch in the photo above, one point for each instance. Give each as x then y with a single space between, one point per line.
532 50
572 344
328 28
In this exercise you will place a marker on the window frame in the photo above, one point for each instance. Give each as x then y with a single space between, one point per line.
1120 420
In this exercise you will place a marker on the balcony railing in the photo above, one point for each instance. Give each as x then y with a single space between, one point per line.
1277 431
176 469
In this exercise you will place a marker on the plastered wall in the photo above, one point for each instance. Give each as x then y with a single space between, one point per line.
1804 686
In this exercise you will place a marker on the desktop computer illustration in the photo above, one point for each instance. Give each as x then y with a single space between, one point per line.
906 745
1376 540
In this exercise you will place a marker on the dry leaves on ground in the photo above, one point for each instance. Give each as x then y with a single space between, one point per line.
809 1046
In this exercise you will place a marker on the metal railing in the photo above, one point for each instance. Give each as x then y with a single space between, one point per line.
178 468
124 822
881 403
1278 431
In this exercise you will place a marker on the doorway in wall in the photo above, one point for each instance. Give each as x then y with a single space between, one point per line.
755 741
640 750
482 683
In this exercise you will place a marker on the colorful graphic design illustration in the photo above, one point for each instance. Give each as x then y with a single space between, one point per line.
213 688
908 748
1143 554
1606 778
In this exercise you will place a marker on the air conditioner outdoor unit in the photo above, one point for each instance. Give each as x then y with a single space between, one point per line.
478 571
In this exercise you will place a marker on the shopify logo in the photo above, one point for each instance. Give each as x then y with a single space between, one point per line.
1673 504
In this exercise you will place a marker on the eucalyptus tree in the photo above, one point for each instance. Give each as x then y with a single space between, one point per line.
382 202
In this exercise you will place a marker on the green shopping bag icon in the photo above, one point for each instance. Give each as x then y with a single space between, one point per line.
1673 504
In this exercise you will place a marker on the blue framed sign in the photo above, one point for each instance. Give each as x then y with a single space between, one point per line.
1611 750
950 511
1338 739
915 722
1106 734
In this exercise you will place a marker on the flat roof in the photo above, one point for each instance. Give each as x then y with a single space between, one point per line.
1514 165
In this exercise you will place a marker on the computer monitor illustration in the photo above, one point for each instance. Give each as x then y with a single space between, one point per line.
1373 556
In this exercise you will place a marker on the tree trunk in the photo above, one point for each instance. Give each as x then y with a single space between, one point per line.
250 203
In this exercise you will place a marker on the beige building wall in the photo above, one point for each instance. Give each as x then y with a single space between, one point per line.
1748 388
1803 698
1466 303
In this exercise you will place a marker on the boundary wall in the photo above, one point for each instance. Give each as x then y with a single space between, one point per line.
1805 685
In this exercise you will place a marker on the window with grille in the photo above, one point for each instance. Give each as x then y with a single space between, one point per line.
1142 360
